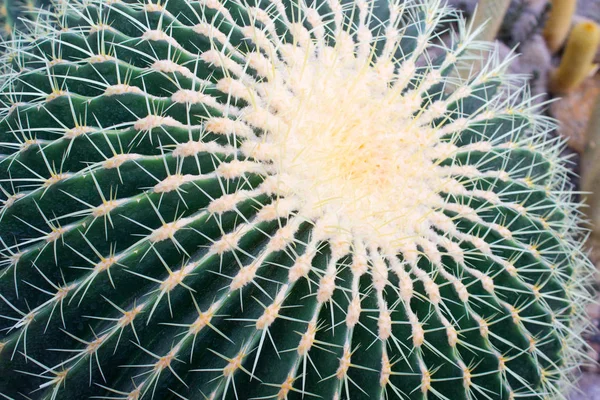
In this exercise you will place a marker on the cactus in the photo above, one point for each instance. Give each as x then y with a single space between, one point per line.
559 23
9 13
230 200
5 25
490 14
18 14
577 62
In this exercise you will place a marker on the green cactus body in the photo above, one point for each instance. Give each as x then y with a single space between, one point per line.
14 13
219 200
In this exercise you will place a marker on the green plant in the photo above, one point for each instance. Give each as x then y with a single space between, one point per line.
5 26
207 199
17 14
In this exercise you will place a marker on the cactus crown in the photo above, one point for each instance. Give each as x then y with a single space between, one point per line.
274 199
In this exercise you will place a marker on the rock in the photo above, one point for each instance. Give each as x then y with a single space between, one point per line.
589 388
466 6
535 61
524 20
589 9
573 112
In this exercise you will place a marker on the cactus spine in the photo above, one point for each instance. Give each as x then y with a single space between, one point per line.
230 200
19 15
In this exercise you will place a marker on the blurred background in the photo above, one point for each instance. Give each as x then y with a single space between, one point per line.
558 42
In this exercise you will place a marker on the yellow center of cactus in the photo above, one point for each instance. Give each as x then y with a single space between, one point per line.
347 140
